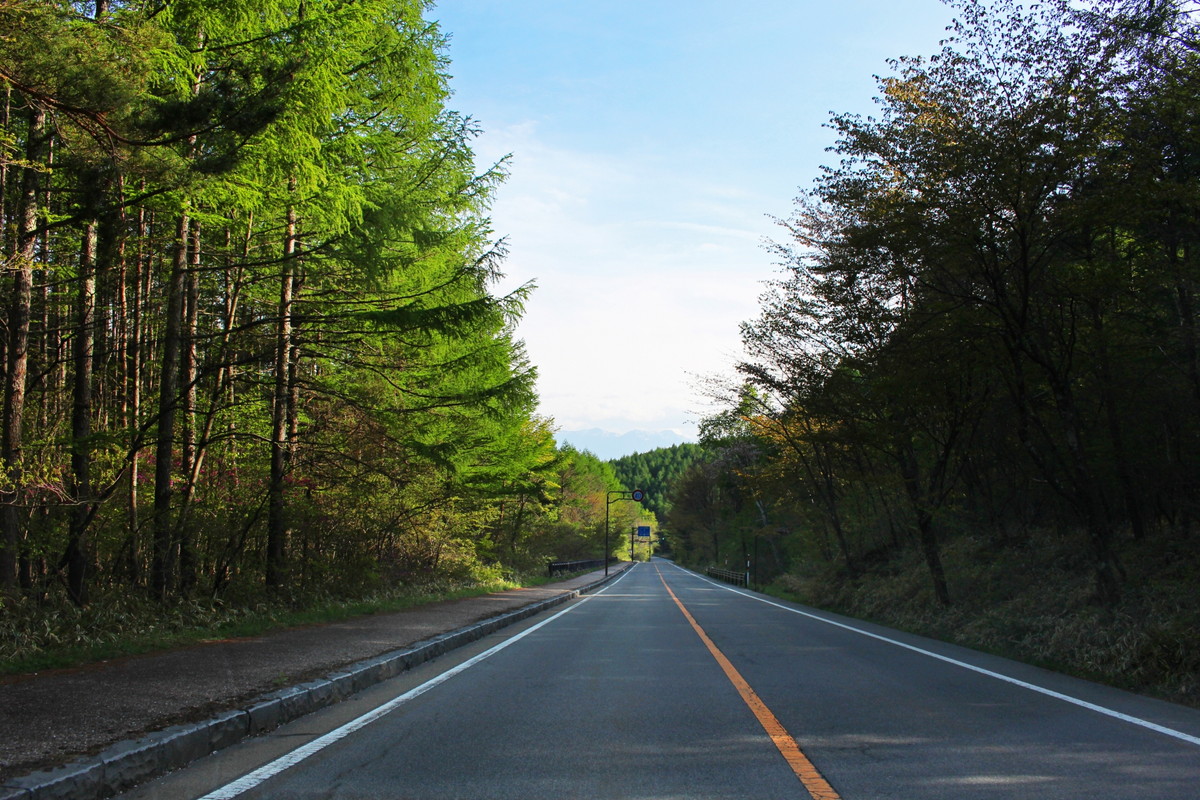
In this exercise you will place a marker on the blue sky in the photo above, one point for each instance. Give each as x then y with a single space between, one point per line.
651 143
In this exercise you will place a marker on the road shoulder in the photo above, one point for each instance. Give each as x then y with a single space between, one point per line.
95 730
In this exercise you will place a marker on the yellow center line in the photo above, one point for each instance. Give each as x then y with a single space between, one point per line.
813 781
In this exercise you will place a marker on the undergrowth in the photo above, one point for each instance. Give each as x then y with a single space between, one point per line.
1034 602
53 633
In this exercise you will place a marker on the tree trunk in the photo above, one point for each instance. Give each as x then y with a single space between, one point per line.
18 351
81 421
165 545
1088 500
188 457
918 497
46 311
1106 387
1185 307
277 528
5 114
138 288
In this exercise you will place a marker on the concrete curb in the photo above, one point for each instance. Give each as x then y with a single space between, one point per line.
127 764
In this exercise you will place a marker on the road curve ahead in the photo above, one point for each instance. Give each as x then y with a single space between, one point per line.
667 685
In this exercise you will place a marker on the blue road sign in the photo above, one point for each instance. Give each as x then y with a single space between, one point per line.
644 530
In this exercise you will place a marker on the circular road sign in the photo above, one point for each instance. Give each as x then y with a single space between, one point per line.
638 495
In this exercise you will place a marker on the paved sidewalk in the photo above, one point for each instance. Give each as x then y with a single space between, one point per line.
99 720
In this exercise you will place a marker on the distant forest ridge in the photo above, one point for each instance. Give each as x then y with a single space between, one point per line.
607 445
657 472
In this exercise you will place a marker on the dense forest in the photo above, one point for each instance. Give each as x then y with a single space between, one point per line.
250 341
980 366
656 471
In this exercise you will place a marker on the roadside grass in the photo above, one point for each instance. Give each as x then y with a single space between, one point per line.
54 634
1034 602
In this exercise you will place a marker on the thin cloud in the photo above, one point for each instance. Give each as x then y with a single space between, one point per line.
649 145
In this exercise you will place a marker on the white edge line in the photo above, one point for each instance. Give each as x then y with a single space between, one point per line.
1108 712
290 759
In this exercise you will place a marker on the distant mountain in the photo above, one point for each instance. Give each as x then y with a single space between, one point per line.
606 445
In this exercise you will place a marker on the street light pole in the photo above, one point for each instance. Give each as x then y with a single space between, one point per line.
607 503
637 495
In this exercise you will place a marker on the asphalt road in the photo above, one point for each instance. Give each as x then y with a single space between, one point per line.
620 695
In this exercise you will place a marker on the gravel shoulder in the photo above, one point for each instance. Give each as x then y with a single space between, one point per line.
51 718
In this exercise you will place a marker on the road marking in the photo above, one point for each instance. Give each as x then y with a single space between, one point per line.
1033 687
273 768
808 774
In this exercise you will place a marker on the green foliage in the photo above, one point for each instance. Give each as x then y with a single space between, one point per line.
656 472
289 229
983 347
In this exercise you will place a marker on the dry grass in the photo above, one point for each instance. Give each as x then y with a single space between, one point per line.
1033 602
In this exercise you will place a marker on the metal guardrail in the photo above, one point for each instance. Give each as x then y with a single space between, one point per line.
561 567
729 576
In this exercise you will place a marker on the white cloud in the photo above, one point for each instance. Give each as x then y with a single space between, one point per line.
643 275
650 141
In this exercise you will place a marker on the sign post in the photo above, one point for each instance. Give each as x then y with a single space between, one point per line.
643 533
